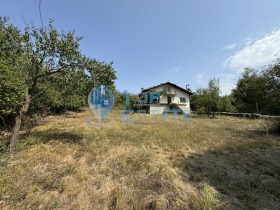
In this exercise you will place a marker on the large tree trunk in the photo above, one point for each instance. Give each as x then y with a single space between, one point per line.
17 125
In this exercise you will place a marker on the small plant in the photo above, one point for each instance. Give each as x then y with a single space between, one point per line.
4 142
211 200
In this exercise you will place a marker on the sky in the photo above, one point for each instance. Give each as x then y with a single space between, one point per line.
186 42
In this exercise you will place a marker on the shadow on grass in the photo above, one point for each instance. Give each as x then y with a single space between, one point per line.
47 136
245 178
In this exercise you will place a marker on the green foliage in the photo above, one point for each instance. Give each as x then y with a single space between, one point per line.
249 93
11 77
163 93
120 99
226 104
199 100
259 91
256 92
101 74
47 67
58 94
11 86
207 99
272 88
213 95
133 102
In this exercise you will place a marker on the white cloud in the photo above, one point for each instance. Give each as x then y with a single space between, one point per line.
230 47
255 52
227 81
173 70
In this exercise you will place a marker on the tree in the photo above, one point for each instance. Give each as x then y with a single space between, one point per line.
101 73
271 76
226 104
207 99
120 99
45 52
199 101
249 93
213 95
44 62
58 93
12 81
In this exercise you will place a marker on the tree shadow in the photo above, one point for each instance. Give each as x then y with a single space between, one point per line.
246 176
45 137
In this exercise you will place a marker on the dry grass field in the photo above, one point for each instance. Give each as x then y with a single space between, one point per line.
65 163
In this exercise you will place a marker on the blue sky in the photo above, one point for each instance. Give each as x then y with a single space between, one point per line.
154 41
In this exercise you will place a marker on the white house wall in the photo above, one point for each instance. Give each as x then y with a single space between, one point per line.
163 99
158 108
174 98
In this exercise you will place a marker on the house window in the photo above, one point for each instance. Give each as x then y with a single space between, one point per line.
156 100
182 100
166 89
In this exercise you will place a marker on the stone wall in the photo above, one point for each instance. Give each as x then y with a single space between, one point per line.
248 115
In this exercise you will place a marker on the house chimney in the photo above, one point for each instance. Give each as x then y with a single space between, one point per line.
187 87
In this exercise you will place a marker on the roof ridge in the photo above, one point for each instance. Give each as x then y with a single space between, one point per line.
177 86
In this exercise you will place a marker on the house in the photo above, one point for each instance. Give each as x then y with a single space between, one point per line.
172 96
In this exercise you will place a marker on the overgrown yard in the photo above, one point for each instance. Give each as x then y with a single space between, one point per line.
222 163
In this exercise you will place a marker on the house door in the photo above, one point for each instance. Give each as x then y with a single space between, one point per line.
169 100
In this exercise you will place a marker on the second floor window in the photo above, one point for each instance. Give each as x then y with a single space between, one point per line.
182 100
166 89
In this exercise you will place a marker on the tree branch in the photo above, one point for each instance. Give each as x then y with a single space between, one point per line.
38 94
40 12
